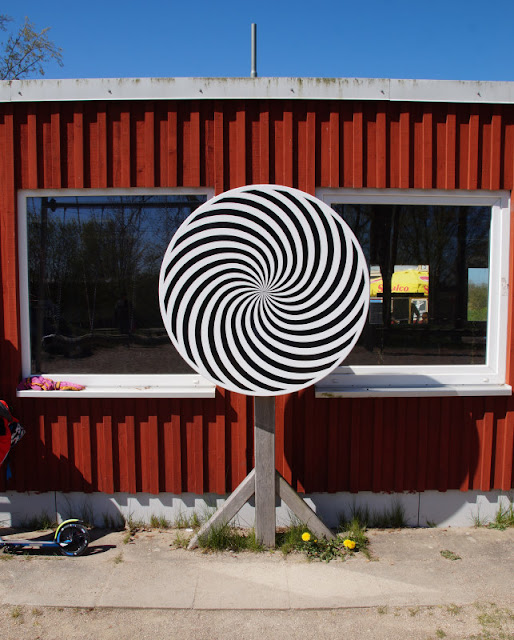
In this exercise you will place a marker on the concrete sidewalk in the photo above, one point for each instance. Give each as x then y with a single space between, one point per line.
408 570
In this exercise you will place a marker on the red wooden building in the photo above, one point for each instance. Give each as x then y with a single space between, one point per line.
412 412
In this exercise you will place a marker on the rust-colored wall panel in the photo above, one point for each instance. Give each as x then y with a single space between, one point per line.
389 444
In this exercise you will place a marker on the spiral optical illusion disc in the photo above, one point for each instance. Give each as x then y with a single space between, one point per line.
264 290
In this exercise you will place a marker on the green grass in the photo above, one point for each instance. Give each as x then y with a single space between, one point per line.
392 517
504 517
290 539
298 538
193 521
39 523
450 555
159 522
227 538
116 523
180 541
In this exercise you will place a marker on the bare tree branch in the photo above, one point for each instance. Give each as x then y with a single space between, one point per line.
27 51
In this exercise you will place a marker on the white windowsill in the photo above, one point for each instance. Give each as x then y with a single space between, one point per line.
129 386
125 392
415 392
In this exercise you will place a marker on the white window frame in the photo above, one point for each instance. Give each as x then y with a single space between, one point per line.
102 385
437 380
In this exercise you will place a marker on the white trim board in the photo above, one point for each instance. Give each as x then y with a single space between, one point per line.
381 89
429 508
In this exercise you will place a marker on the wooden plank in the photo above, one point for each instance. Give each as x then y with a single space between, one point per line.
466 445
310 150
264 143
298 442
289 438
355 444
432 453
390 435
496 148
191 147
280 402
238 439
239 170
486 456
423 437
219 153
499 444
333 445
287 149
9 346
55 152
358 162
265 519
378 443
334 150
149 146
505 453
456 436
302 510
381 147
402 421
405 170
77 178
476 463
444 444
32 149
230 508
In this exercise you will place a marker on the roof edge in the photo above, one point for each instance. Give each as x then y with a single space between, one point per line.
85 89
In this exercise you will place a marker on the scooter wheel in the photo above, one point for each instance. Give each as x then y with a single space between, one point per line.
73 539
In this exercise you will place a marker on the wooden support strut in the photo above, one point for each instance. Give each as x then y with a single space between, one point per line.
265 483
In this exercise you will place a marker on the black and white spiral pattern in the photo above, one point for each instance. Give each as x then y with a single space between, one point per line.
264 290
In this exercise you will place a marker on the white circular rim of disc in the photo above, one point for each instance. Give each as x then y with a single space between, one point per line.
264 290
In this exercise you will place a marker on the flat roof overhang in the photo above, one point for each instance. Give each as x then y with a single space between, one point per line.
88 89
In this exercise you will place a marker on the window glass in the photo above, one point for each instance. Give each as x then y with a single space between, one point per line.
93 266
429 269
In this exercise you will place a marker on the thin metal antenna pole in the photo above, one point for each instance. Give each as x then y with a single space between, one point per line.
253 73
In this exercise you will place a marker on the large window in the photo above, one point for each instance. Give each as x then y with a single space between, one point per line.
90 269
438 278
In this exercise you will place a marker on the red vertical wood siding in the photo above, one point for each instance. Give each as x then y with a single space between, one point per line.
132 445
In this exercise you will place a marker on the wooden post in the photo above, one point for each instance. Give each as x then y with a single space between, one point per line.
265 482
265 518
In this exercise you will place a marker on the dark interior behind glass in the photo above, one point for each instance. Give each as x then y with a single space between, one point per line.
94 266
429 270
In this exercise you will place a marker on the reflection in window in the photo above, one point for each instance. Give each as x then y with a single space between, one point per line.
94 266
429 269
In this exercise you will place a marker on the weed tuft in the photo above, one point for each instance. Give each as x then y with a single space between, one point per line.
17 613
227 538
290 539
450 555
180 541
504 517
159 522
453 609
299 538
392 517
115 523
40 522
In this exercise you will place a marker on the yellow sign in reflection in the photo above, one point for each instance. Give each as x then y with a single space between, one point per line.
413 281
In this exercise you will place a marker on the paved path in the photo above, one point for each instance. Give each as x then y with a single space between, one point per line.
148 573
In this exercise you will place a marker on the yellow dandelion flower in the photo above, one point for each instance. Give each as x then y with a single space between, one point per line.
306 536
349 544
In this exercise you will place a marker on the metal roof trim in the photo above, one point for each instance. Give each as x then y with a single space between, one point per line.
88 89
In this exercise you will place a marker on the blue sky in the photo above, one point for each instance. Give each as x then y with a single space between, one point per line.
450 39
